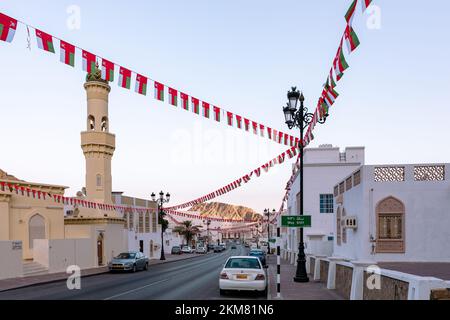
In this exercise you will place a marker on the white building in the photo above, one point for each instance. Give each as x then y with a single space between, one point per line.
393 213
142 230
323 167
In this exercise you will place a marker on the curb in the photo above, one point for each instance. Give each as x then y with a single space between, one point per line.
87 275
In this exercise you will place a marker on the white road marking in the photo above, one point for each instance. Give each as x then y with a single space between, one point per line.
134 290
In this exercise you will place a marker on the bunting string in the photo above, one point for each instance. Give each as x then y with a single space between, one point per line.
162 92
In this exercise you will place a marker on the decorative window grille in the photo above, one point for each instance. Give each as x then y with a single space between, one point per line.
336 191
429 173
389 174
341 188
154 223
357 178
141 223
348 184
147 222
326 203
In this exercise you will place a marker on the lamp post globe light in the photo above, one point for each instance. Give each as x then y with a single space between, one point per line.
160 202
298 116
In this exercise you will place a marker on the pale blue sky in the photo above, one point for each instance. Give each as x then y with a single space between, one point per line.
240 55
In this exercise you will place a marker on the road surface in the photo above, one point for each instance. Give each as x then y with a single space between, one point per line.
191 279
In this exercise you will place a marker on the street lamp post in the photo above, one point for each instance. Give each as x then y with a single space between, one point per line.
208 222
267 212
160 201
299 118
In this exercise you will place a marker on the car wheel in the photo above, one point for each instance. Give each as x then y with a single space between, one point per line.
134 268
146 266
222 292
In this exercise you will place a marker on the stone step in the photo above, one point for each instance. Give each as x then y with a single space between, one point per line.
31 268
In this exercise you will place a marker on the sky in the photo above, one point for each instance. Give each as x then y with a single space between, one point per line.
240 55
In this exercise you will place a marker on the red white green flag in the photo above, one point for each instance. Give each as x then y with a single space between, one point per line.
261 129
124 78
332 83
173 97
8 28
67 53
340 64
159 91
230 118
286 138
44 41
255 127
351 12
351 39
195 105
216 113
365 4
89 60
107 70
239 121
330 96
247 124
280 136
205 108
184 101
141 84
269 133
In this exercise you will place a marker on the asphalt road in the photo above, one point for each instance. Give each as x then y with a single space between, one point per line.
192 279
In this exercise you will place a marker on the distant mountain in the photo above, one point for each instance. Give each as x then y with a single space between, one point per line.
229 211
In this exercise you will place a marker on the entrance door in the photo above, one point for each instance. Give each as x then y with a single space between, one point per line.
100 249
151 249
36 229
141 246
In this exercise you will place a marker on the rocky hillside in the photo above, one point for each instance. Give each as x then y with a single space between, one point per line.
5 176
219 209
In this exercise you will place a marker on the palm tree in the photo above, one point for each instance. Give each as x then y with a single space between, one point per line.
187 230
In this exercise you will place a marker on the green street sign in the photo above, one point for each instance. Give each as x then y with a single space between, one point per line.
273 240
296 221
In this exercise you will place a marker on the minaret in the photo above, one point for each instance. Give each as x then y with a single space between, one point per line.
97 143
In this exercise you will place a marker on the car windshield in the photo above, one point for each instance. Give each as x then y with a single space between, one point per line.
126 255
243 263
256 253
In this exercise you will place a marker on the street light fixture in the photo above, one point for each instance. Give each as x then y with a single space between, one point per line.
299 117
160 201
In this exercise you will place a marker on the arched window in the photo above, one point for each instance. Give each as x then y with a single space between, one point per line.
36 229
141 223
338 226
104 124
390 226
99 180
91 123
154 222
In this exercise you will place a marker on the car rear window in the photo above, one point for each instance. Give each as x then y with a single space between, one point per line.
243 263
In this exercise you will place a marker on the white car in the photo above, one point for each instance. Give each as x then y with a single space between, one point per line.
187 249
243 273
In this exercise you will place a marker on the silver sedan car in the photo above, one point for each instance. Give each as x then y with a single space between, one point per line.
129 261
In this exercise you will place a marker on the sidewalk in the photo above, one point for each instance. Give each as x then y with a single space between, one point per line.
290 290
15 283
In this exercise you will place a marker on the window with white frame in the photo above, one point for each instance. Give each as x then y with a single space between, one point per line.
326 203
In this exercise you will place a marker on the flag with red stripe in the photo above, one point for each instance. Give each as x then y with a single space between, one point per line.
124 78
141 84
107 70
67 53
8 28
44 41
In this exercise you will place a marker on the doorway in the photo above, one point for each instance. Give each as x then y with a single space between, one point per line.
100 249
141 246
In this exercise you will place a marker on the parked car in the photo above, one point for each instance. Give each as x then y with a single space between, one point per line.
218 249
200 250
176 250
129 261
187 249
246 245
224 246
243 273
233 246
211 247
260 254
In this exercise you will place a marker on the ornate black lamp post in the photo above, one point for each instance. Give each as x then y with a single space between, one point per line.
160 201
267 212
208 222
299 117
